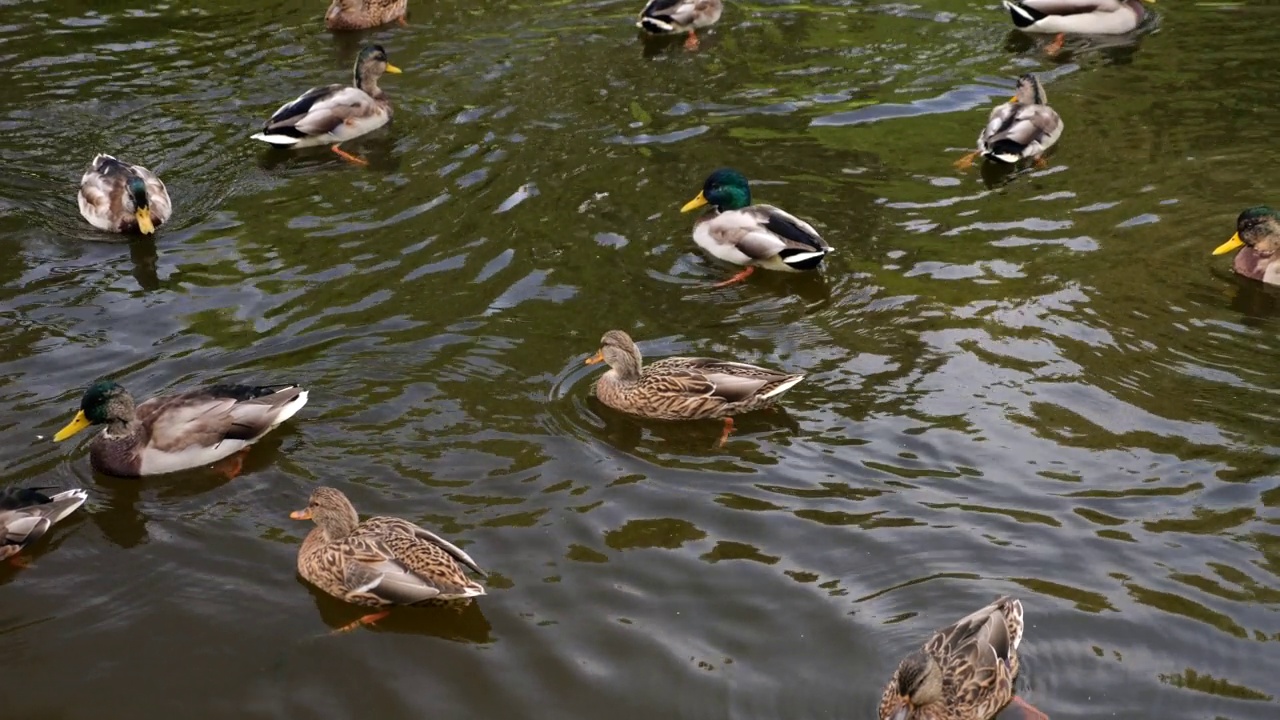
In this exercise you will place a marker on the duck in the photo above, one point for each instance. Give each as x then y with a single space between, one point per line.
380 562
122 198
334 114
683 388
1086 17
1023 128
178 431
364 14
752 235
1257 237
677 17
964 672
26 514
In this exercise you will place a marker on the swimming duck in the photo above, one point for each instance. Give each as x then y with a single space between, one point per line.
179 431
335 113
964 672
364 14
380 562
673 17
1258 238
1084 17
119 197
753 235
683 388
26 514
1025 127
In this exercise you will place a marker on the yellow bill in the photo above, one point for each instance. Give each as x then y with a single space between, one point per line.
78 423
393 69
1013 99
145 226
695 203
597 358
300 514
1228 246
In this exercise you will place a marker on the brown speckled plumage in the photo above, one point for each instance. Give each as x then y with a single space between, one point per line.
382 561
964 672
683 388
364 14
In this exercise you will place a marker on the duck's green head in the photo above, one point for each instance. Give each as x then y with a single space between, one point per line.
103 402
724 189
141 205
1259 228
371 63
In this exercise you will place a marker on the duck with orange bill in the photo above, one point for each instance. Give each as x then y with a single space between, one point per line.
1257 238
333 114
122 198
683 388
738 232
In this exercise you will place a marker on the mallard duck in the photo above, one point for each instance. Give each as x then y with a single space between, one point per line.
335 113
1085 17
753 235
26 514
119 197
179 431
964 672
683 388
380 562
674 17
364 14
1025 127
1258 238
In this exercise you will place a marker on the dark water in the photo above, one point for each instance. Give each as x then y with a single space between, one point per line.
1040 385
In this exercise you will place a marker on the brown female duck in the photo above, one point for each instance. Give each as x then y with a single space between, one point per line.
380 562
364 14
683 388
1258 239
964 672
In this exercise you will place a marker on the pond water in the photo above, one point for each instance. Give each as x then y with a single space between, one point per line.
1040 385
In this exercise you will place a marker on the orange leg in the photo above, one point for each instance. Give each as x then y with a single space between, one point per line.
348 156
19 561
691 42
966 162
232 464
736 278
402 22
1041 163
1029 711
1055 47
369 619
724 436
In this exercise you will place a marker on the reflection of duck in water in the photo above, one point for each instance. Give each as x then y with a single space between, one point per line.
1083 17
381 562
683 388
673 17
964 672
26 514
1023 128
1258 239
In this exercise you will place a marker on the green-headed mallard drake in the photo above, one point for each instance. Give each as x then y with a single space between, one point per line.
1023 128
1258 239
118 197
26 514
964 672
753 235
676 17
334 114
364 14
683 388
381 562
179 431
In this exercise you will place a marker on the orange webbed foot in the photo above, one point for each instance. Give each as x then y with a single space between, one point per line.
369 619
736 278
348 156
724 436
